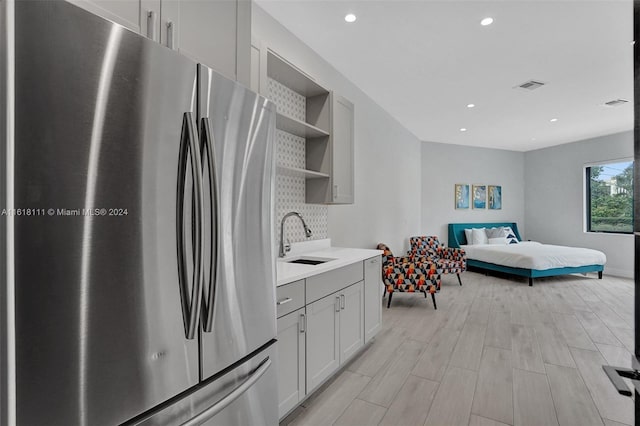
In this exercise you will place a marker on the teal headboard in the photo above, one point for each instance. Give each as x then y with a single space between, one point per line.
456 231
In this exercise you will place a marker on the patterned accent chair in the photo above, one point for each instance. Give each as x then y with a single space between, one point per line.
408 274
448 260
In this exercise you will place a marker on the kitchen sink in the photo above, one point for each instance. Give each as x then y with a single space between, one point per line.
309 260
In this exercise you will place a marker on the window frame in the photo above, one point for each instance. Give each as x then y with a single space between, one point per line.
587 195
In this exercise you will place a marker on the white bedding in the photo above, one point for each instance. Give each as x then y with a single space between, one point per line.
533 255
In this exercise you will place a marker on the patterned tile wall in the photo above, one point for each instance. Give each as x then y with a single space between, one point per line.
290 190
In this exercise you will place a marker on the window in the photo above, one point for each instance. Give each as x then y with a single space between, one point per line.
609 202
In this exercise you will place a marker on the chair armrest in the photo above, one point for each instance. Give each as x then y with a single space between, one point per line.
422 255
450 253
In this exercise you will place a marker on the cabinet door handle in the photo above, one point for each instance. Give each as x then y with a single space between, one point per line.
284 301
303 323
151 24
337 303
342 301
335 191
170 35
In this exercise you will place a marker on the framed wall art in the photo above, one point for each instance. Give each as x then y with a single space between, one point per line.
462 196
479 196
494 195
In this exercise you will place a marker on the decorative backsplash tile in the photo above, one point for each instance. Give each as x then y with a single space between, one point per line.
290 150
289 102
290 190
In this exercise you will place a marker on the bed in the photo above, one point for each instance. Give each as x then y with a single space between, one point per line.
526 259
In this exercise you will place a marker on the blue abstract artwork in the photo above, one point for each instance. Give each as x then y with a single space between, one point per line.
462 196
495 197
479 196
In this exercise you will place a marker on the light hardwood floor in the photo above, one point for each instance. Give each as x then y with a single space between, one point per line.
495 352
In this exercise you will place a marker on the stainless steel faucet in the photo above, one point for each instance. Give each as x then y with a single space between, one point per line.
285 248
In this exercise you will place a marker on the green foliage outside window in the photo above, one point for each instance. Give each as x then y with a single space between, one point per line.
610 198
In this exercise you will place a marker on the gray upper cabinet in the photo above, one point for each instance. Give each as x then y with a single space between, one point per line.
208 32
342 174
123 12
333 156
216 33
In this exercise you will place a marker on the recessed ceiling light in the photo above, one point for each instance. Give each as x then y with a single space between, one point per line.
553 120
463 129
470 105
486 21
350 17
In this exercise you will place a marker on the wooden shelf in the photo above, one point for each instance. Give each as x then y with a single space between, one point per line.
297 127
291 76
308 174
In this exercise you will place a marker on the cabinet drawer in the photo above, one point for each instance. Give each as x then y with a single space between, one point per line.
321 285
289 297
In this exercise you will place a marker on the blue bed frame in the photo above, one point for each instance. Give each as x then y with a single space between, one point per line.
458 238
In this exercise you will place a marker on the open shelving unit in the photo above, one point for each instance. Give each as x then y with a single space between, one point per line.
315 129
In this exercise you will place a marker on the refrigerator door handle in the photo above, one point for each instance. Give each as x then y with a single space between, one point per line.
231 396
190 305
208 148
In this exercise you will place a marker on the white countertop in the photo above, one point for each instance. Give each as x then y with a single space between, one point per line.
341 256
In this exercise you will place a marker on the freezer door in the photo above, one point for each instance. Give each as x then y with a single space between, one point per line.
239 299
244 394
100 117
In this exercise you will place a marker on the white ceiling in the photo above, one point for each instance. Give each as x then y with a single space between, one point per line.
424 61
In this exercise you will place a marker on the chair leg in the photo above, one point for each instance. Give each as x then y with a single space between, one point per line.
459 280
384 292
425 294
433 297
389 302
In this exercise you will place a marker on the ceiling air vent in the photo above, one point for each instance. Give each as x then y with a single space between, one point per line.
615 102
530 85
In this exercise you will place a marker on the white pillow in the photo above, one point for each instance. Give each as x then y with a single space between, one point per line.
468 235
499 240
479 236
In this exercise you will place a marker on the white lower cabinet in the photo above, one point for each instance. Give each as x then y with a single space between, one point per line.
373 288
323 339
291 360
317 337
336 332
351 320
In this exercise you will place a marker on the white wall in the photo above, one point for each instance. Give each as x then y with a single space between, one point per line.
444 165
555 197
387 156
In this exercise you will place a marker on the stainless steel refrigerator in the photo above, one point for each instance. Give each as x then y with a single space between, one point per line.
617 374
140 285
